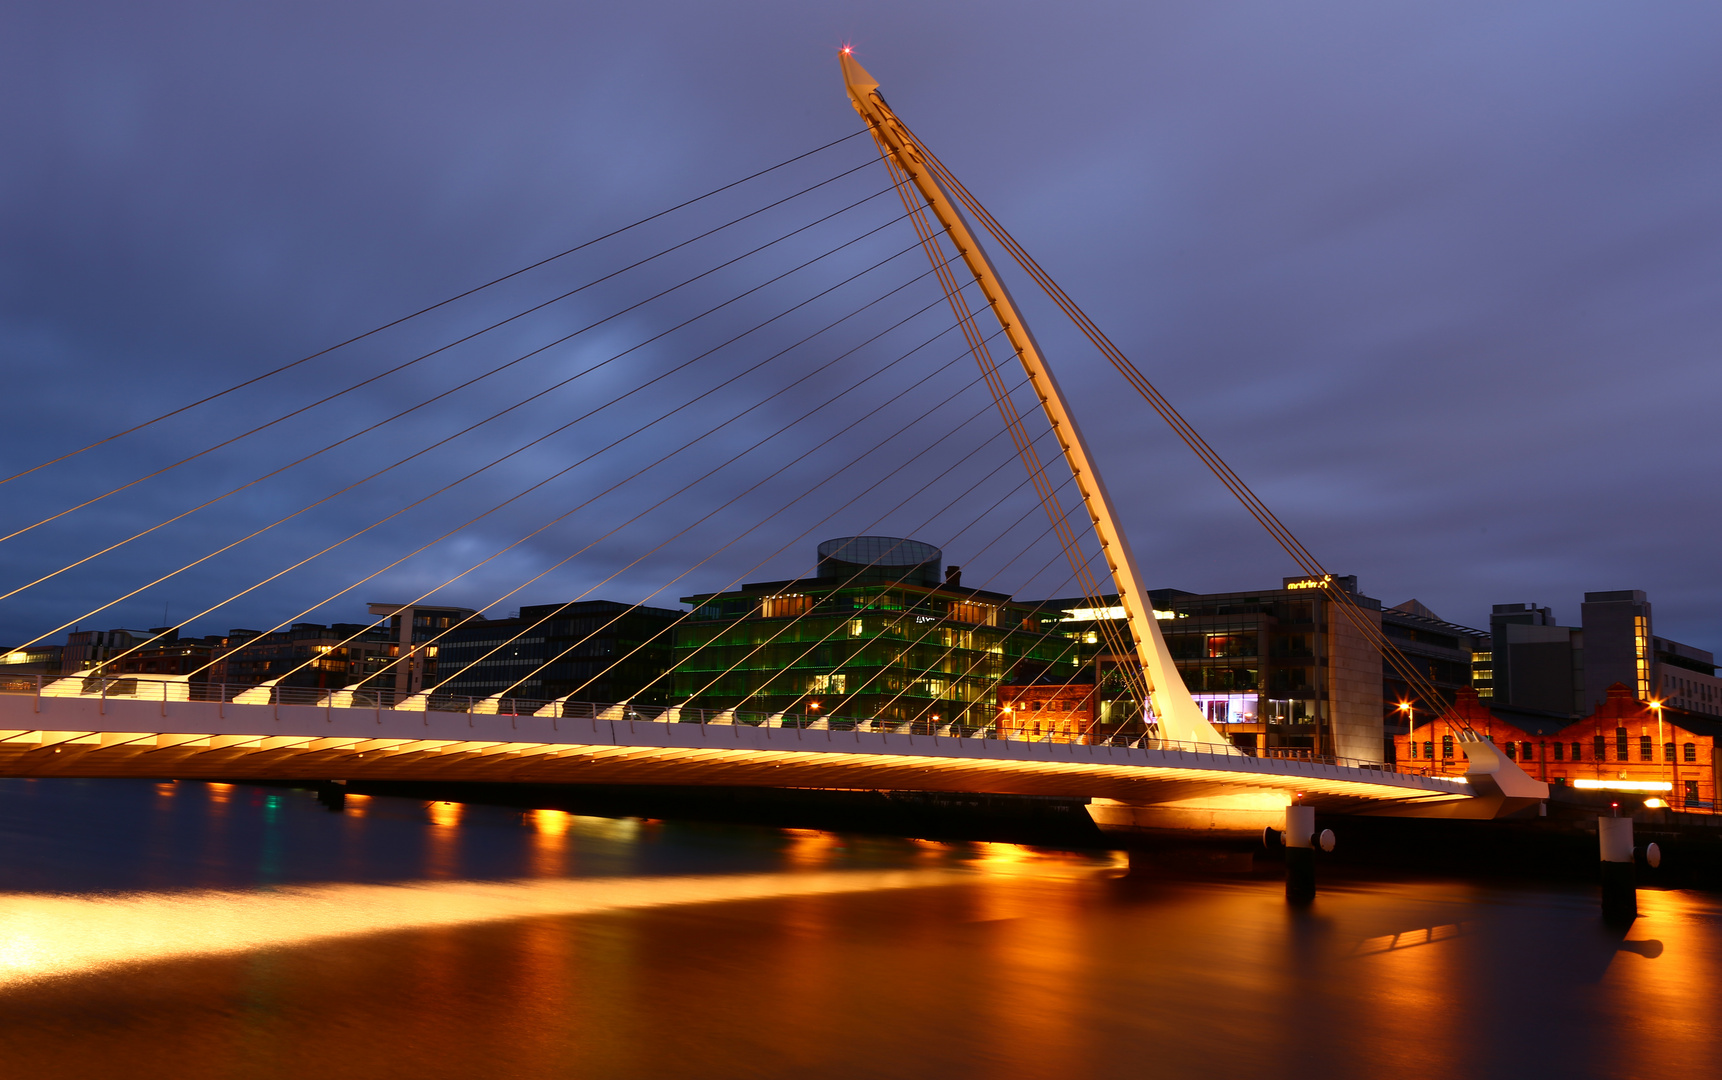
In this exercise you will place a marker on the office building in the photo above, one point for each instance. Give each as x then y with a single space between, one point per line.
877 633
308 654
1536 663
412 627
1567 670
1446 654
1279 671
590 650
38 659
1621 646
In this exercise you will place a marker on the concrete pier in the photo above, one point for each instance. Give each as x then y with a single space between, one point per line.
1619 887
1300 854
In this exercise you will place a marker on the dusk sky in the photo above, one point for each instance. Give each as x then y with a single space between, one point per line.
1442 282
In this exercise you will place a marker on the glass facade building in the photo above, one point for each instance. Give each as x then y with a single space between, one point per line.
1276 671
878 633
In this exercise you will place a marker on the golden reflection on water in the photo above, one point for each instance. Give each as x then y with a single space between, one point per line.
1020 964
550 841
809 848
44 935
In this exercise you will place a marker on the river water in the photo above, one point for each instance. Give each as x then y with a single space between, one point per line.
206 930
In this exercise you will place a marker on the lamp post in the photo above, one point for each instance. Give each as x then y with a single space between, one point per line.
1674 758
1410 712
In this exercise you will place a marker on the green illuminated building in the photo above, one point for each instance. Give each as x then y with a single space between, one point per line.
877 633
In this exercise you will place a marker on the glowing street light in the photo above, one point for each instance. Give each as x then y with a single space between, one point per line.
1409 710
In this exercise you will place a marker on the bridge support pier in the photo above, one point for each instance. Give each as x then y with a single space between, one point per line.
1300 854
333 795
1619 887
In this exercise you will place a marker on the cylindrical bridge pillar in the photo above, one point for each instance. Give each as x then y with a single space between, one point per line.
1619 887
1300 854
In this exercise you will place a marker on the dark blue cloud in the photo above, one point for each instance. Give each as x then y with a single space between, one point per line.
1441 283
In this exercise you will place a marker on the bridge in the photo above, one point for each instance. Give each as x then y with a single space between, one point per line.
126 727
1167 768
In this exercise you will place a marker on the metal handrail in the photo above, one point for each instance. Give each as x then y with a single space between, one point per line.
171 689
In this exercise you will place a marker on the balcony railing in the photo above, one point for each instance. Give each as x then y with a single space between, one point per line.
145 688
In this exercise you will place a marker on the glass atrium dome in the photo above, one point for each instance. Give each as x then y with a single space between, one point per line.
880 558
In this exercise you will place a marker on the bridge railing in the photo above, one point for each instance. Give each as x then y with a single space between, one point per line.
169 688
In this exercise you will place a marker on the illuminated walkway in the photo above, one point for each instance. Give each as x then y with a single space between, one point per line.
149 734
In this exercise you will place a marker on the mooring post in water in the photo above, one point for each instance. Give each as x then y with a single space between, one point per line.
1300 854
1619 891
333 795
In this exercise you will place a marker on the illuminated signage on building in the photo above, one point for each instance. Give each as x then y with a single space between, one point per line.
1321 582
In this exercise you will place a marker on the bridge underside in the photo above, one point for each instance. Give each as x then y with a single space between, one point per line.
84 737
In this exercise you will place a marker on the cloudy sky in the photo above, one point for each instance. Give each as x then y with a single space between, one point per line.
1442 282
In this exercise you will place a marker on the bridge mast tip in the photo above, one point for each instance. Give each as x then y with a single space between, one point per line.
855 76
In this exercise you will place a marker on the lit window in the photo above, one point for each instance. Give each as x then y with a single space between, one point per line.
1447 746
782 607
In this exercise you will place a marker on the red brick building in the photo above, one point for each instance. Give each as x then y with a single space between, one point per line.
1066 711
1624 739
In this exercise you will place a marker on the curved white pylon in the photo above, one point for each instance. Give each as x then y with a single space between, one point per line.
1179 716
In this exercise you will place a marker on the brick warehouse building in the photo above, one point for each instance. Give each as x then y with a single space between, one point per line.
1623 739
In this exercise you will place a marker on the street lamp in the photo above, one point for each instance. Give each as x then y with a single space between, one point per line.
1673 759
1410 712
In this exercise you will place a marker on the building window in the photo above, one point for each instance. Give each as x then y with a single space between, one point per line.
1530 752
1557 748
1668 752
1691 792
1641 657
1447 747
1411 746
981 614
1622 751
783 607
1510 747
1577 748
1644 753
1429 749
1600 749
1690 751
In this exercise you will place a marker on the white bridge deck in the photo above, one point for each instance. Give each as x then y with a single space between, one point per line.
48 730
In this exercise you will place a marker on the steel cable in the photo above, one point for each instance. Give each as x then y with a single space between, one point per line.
426 310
